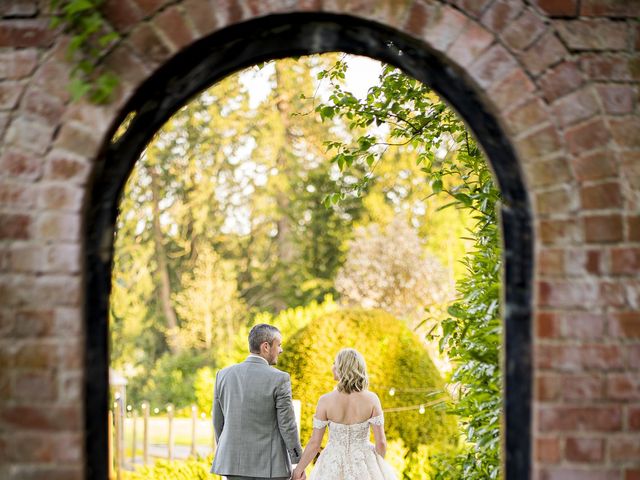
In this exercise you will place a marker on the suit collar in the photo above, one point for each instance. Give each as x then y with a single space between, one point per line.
257 359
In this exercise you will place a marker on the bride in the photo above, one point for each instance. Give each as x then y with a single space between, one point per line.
348 411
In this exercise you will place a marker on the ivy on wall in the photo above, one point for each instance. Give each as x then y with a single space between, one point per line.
91 38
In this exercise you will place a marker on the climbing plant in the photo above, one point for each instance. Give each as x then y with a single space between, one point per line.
91 38
401 112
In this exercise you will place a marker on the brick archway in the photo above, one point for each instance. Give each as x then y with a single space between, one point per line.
279 36
559 79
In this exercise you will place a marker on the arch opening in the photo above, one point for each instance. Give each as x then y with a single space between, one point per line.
279 36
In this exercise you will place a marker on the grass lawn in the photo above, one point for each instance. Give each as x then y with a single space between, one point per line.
159 431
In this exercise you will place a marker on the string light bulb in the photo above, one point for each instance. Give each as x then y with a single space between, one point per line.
392 392
421 410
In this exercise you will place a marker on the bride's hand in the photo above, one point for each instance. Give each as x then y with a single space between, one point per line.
298 474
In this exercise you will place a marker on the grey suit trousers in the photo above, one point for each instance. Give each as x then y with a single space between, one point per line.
256 478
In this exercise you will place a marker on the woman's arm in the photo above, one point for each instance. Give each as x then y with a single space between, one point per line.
378 430
310 451
315 442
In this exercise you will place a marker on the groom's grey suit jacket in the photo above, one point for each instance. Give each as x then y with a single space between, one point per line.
254 421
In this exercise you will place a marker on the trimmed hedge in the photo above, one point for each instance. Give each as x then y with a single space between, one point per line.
396 358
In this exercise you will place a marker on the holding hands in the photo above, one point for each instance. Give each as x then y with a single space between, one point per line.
298 474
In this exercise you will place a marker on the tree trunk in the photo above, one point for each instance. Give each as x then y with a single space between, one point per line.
164 292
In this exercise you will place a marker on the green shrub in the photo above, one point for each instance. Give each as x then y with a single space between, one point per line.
190 469
396 358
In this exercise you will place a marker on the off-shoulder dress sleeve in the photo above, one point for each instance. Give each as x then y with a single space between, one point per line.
317 423
377 420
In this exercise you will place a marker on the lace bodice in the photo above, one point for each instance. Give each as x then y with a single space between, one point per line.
349 436
349 455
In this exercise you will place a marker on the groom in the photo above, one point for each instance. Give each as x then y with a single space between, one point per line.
253 415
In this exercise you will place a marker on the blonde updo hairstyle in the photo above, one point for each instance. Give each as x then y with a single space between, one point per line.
351 370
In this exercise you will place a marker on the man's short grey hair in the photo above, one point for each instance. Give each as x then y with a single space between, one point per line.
263 332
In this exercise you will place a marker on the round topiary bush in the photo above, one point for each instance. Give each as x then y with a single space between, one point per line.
396 359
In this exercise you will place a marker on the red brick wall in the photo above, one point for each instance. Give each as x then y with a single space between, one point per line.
562 78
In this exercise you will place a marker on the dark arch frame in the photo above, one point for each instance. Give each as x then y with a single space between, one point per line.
278 36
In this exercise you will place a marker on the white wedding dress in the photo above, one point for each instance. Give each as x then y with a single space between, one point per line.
349 455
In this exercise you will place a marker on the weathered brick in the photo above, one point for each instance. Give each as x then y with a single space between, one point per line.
126 65
587 136
548 450
500 14
473 8
593 34
523 32
601 196
18 8
539 143
61 198
558 8
122 14
625 131
52 418
34 356
579 358
10 92
173 26
548 387
62 165
443 27
33 323
633 417
608 68
625 324
633 227
547 325
25 33
613 294
14 226
21 165
58 290
79 139
527 116
544 53
40 104
584 388
27 258
617 99
470 44
584 450
623 386
594 165
29 134
492 66
585 419
566 294
512 90
572 473
148 45
35 386
557 201
603 228
58 226
560 80
624 448
581 325
63 258
559 232
579 105
608 8
149 7
18 63
201 15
